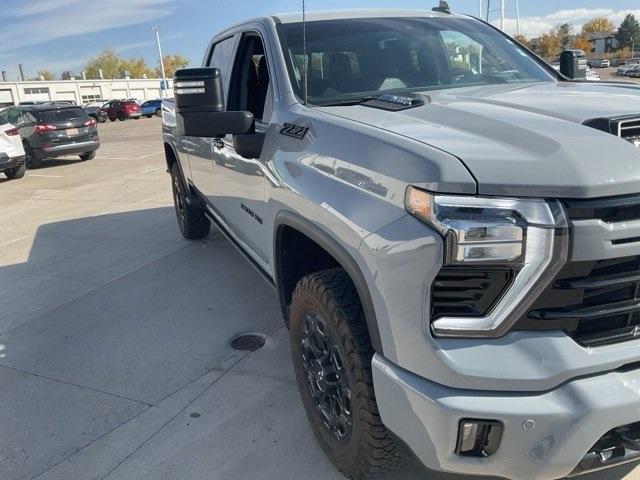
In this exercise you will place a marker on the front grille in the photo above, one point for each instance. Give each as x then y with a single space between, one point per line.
467 292
623 127
629 129
609 210
596 303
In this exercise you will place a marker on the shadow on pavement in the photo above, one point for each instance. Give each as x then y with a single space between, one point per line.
114 322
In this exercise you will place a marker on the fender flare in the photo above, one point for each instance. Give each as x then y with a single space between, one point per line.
340 254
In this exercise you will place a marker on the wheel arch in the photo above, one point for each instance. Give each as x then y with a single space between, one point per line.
285 285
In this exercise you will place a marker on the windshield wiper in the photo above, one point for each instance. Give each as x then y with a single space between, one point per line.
346 101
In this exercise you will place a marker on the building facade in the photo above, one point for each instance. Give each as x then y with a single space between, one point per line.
603 42
79 91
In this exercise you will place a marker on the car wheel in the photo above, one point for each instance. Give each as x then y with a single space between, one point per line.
137 118
158 112
190 214
332 354
149 116
31 160
121 117
16 172
112 119
88 156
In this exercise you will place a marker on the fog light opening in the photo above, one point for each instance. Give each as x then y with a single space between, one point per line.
479 438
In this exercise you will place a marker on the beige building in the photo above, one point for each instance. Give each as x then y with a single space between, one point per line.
79 91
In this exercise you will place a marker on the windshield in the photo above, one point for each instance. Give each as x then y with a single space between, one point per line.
355 58
62 116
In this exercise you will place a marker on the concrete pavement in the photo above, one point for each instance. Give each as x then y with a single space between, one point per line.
114 336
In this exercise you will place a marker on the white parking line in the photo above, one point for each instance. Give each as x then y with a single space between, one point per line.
43 176
14 240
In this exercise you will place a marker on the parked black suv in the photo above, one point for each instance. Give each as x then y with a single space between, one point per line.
54 130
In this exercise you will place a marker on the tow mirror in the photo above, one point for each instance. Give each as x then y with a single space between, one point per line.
199 101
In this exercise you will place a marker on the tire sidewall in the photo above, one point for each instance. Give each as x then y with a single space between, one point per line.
343 454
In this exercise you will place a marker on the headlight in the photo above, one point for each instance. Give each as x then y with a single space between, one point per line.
528 236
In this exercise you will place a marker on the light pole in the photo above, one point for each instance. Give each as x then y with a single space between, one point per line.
164 78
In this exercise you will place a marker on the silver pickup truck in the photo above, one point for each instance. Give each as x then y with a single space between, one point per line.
452 227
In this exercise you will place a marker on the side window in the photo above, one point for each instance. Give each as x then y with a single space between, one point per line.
14 117
221 58
250 87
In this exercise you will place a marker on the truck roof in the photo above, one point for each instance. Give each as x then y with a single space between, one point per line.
294 17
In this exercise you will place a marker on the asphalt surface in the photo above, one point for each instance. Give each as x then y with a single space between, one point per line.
114 335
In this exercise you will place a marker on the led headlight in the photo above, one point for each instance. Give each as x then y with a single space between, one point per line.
528 235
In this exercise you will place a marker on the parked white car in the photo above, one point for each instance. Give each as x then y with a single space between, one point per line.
11 150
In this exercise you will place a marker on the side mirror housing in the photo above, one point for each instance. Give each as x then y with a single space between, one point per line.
199 101
249 145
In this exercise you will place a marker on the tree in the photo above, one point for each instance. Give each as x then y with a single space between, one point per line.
522 39
564 33
597 25
581 43
108 61
66 75
629 31
172 62
113 65
550 43
137 68
45 75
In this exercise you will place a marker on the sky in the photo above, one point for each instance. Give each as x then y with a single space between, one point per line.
60 35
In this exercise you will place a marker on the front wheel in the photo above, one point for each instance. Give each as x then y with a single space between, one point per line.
88 156
112 119
192 221
16 172
332 354
149 115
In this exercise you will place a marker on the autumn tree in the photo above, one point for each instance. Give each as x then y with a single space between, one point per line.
581 43
629 32
172 62
113 65
597 25
522 39
550 44
45 74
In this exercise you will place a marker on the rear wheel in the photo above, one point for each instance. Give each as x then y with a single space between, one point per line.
16 172
121 117
87 155
112 119
190 214
149 116
31 160
332 356
158 112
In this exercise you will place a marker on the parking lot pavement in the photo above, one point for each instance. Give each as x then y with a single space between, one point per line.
114 335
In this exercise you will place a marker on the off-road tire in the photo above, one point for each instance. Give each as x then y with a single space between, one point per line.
88 156
192 221
16 172
369 450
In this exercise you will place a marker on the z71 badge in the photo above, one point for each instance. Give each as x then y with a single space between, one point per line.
295 131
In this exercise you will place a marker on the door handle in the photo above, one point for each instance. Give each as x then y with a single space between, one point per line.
218 143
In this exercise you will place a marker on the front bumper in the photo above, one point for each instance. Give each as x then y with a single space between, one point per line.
567 420
7 162
70 149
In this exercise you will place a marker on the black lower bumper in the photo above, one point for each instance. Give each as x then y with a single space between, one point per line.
7 163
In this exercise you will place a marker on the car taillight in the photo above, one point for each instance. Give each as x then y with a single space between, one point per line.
90 122
12 132
45 128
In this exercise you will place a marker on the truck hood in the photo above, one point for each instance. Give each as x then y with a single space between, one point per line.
524 140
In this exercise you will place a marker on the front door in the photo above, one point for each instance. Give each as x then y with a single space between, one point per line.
201 150
240 186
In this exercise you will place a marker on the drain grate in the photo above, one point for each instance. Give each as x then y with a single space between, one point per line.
249 342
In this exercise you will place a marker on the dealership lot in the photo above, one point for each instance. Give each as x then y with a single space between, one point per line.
115 360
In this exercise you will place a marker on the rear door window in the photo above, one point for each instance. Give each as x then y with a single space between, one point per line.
65 115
